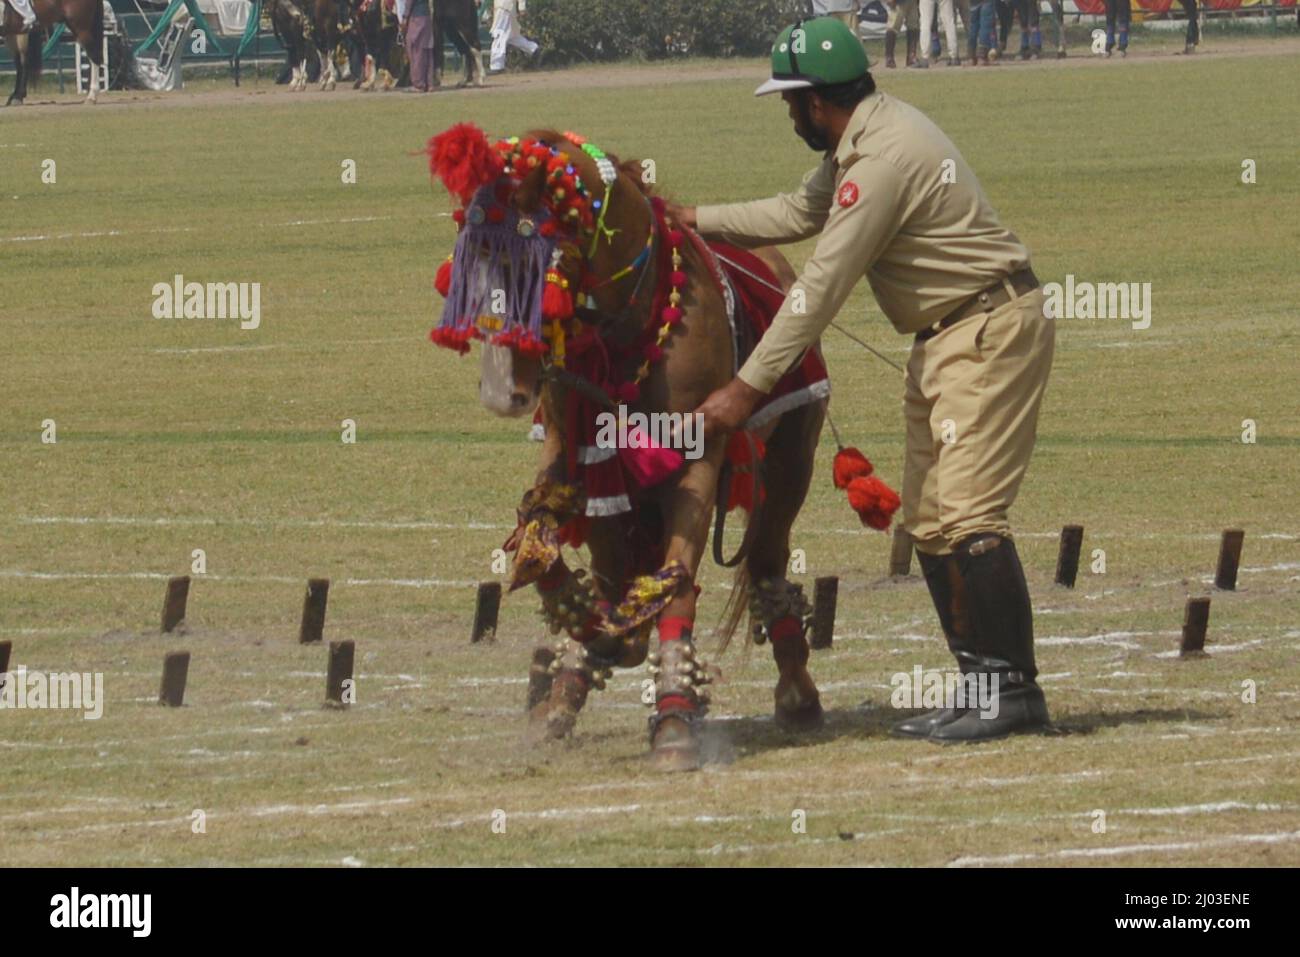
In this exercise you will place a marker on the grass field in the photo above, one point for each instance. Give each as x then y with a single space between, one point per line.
174 435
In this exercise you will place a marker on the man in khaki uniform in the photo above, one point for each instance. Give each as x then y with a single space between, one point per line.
894 200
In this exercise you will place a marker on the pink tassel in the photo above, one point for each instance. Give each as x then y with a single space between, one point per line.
650 464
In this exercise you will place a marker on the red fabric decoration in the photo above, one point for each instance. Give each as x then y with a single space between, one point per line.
743 468
442 281
463 159
874 501
850 464
649 466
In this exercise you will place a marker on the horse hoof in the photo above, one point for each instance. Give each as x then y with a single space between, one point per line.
675 747
810 717
798 706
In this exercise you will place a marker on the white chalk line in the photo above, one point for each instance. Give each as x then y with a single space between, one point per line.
200 521
1124 849
476 526
27 575
165 230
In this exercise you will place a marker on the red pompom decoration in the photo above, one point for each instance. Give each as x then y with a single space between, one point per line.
675 237
672 315
653 353
442 280
874 501
557 302
458 217
463 159
628 392
678 278
850 464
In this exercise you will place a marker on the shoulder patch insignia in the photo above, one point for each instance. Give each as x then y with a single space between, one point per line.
848 194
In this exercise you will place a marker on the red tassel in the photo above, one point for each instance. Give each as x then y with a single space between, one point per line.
557 302
442 281
649 466
874 501
850 464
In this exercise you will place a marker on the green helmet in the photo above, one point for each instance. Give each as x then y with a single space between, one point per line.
813 53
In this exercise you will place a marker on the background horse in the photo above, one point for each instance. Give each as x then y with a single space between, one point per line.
375 27
293 28
84 19
669 523
457 19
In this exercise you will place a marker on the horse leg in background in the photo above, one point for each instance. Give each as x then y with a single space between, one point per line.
17 44
88 31
679 675
325 51
464 34
777 604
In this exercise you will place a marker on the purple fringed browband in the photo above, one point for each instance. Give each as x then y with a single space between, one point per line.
498 277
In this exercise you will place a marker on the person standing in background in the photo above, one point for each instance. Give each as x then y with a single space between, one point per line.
949 31
417 26
983 33
1118 14
505 33
845 11
901 12
1193 28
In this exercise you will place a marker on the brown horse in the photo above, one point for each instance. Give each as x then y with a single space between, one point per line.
457 20
646 559
84 19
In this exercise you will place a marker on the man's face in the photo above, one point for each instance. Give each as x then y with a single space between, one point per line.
807 116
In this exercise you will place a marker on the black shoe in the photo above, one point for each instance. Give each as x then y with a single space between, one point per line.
923 725
1020 708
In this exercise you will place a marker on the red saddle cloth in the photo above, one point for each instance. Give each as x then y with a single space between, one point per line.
758 298
754 296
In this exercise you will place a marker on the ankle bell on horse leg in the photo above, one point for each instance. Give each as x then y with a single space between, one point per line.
680 698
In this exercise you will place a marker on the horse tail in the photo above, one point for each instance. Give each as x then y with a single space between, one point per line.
736 607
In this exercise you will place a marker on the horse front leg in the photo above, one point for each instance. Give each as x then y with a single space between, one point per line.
680 676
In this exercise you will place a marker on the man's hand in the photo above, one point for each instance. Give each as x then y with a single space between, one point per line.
681 215
727 409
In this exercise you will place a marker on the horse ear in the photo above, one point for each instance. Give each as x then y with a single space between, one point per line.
528 197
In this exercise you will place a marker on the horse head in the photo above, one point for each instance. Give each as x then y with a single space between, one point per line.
527 236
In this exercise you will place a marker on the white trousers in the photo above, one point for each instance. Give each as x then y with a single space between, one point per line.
24 9
505 33
927 24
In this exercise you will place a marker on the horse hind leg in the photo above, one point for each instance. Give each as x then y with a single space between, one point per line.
17 45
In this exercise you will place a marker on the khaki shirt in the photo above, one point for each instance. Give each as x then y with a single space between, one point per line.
895 202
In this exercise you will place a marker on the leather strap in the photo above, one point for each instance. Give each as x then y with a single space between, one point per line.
720 510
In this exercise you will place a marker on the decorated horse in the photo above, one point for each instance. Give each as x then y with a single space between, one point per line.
84 19
457 20
586 297
375 29
292 25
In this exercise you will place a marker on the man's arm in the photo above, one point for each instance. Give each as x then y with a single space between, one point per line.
863 219
785 218
855 236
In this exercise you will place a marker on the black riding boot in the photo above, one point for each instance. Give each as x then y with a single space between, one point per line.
1003 630
948 592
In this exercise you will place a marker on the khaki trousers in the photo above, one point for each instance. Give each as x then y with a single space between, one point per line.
971 401
904 12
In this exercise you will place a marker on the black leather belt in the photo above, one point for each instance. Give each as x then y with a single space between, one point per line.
995 296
